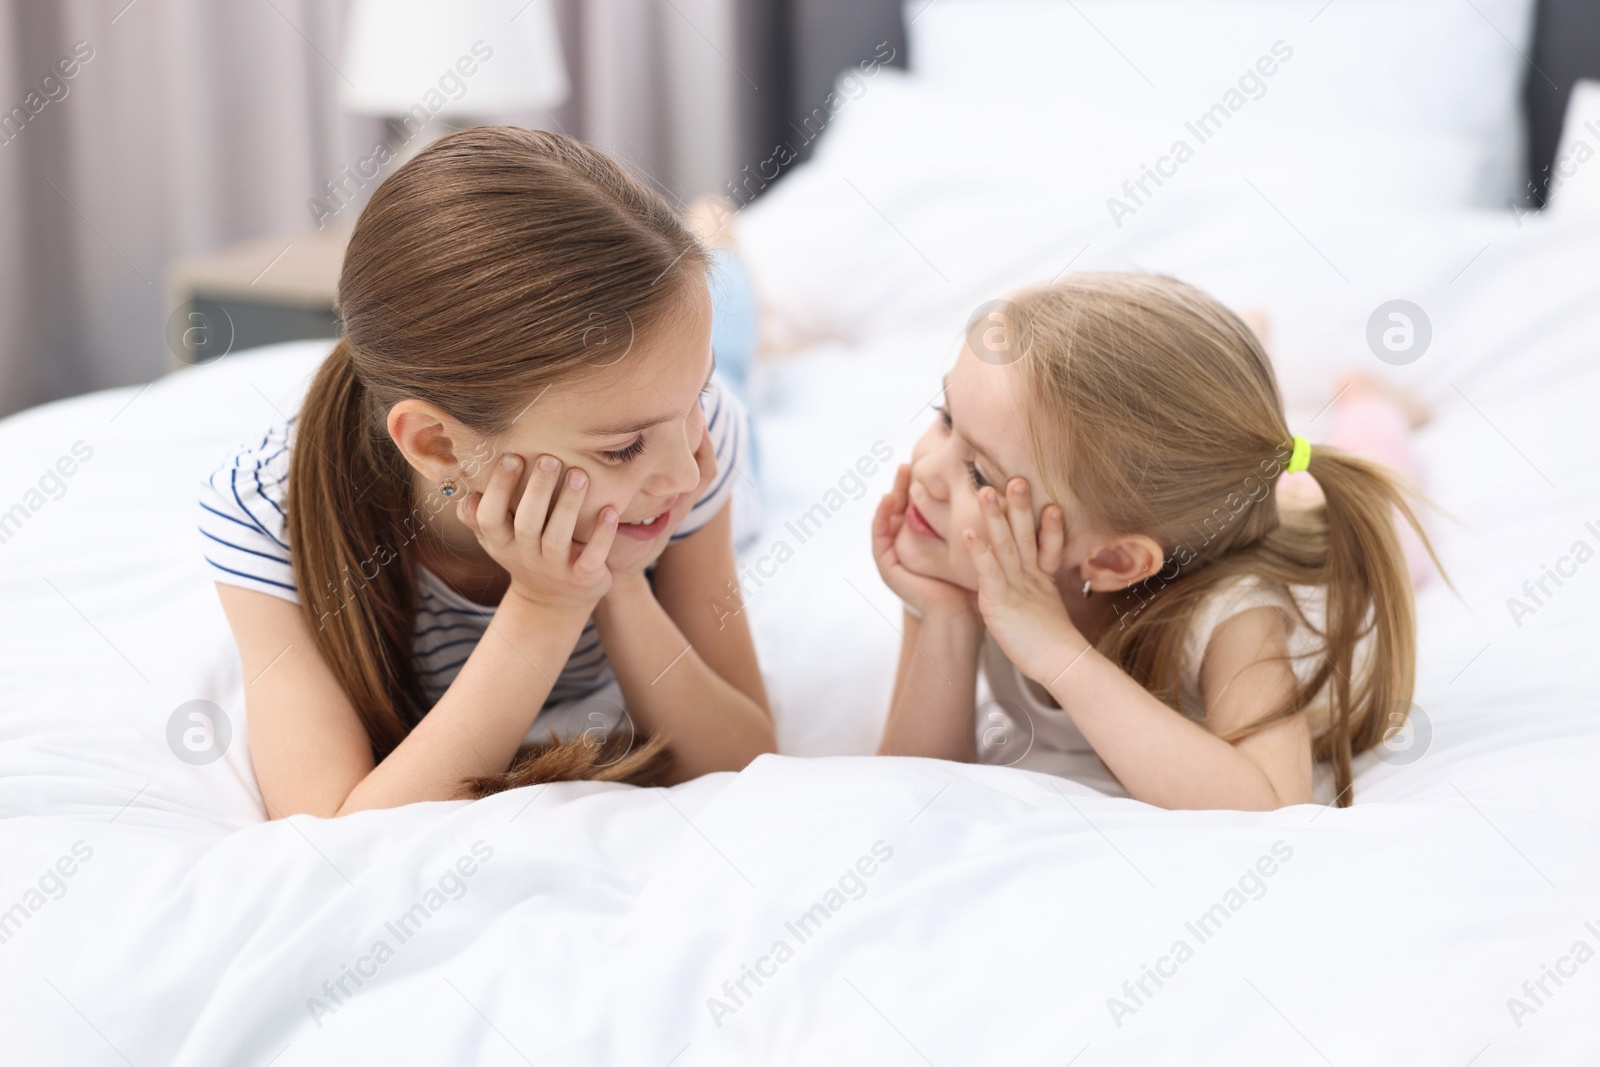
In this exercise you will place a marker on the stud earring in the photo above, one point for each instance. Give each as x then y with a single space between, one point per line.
1086 589
448 487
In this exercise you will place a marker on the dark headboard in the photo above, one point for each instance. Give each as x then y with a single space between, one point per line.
1566 47
811 41
827 36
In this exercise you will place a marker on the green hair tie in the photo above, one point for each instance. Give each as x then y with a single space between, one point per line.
1300 458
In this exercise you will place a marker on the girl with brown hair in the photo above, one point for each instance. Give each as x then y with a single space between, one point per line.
503 512
1093 520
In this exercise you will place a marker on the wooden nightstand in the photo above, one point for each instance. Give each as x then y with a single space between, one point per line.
252 293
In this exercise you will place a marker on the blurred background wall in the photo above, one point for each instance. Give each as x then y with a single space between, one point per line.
135 133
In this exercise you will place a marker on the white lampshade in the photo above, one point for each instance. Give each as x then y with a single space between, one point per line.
400 53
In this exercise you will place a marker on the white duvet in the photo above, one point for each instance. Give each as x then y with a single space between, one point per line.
823 906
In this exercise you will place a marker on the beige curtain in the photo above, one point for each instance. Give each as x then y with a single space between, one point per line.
187 124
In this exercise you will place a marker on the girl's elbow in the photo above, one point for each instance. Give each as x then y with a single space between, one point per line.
329 805
1293 798
1275 798
762 740
1267 798
764 730
325 810
765 743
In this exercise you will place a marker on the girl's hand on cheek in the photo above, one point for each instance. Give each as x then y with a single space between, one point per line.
926 596
1017 591
546 566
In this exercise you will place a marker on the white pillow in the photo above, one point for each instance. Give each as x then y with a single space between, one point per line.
922 200
1575 173
1436 70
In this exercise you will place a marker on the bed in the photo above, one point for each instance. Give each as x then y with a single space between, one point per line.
825 906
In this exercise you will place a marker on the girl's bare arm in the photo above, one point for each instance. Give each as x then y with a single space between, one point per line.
931 712
1166 759
1160 756
683 655
936 682
308 745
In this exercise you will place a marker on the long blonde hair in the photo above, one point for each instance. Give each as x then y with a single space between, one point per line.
480 271
1157 409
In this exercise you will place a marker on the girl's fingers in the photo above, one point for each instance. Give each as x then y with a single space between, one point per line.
1019 511
881 531
902 487
593 557
989 570
535 502
1003 544
1052 539
467 511
492 512
564 519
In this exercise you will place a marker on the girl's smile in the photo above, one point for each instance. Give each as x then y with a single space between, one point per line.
653 526
919 525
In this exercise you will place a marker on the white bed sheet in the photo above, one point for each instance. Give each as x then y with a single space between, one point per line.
1013 907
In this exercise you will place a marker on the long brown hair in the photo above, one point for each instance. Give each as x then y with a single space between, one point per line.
1157 408
480 271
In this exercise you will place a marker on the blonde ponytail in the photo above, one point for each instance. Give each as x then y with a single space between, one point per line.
1368 592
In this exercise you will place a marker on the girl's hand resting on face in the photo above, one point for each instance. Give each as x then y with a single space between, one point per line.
546 566
926 596
1017 591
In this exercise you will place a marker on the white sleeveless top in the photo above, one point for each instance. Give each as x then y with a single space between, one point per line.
1018 723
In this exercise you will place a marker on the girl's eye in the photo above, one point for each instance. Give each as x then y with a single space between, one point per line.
623 455
978 480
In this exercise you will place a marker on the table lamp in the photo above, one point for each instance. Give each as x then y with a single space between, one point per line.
413 61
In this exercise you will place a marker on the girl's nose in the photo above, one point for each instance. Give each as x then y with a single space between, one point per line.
683 472
926 469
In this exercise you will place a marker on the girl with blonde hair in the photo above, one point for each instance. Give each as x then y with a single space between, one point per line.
492 530
1093 520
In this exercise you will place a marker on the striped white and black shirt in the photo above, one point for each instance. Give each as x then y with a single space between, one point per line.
243 531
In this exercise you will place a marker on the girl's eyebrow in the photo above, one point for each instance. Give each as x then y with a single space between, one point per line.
621 430
637 427
976 447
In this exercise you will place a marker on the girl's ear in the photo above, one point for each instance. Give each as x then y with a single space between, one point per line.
422 433
1122 561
